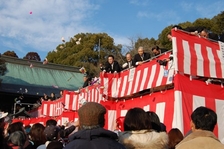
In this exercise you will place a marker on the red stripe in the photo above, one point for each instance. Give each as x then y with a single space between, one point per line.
218 65
180 50
187 106
169 112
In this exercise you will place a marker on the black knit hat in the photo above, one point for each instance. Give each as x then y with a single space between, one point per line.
51 132
92 114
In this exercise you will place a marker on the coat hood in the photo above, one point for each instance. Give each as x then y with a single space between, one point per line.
144 139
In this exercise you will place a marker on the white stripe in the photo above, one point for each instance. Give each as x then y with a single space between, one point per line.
137 81
129 87
146 108
123 112
96 97
160 111
75 102
118 85
198 101
106 80
111 119
152 75
160 76
51 112
59 122
67 97
219 53
187 57
212 64
200 60
171 72
174 46
144 78
178 112
91 92
220 121
56 108
45 109
124 85
99 95
114 87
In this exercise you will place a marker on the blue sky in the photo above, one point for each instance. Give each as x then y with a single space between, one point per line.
123 20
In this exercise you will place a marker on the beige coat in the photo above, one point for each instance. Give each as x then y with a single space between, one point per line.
144 139
200 139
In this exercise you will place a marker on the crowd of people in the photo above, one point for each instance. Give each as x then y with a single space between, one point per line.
142 130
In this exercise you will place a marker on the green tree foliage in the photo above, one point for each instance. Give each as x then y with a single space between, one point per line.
32 56
146 43
10 53
207 23
86 50
218 22
163 40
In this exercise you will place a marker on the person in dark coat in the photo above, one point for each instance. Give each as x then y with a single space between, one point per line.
87 80
158 51
111 65
129 62
92 135
141 56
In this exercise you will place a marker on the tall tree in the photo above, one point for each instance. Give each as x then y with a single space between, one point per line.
146 43
85 49
10 53
163 40
32 56
218 21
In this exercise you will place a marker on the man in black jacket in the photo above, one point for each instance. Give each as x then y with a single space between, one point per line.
111 65
141 57
157 51
92 134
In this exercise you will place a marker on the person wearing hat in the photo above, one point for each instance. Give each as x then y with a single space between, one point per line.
51 133
92 135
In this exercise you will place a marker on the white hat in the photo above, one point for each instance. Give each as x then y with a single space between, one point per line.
3 114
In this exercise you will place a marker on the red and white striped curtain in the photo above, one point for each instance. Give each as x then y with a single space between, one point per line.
134 80
197 56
